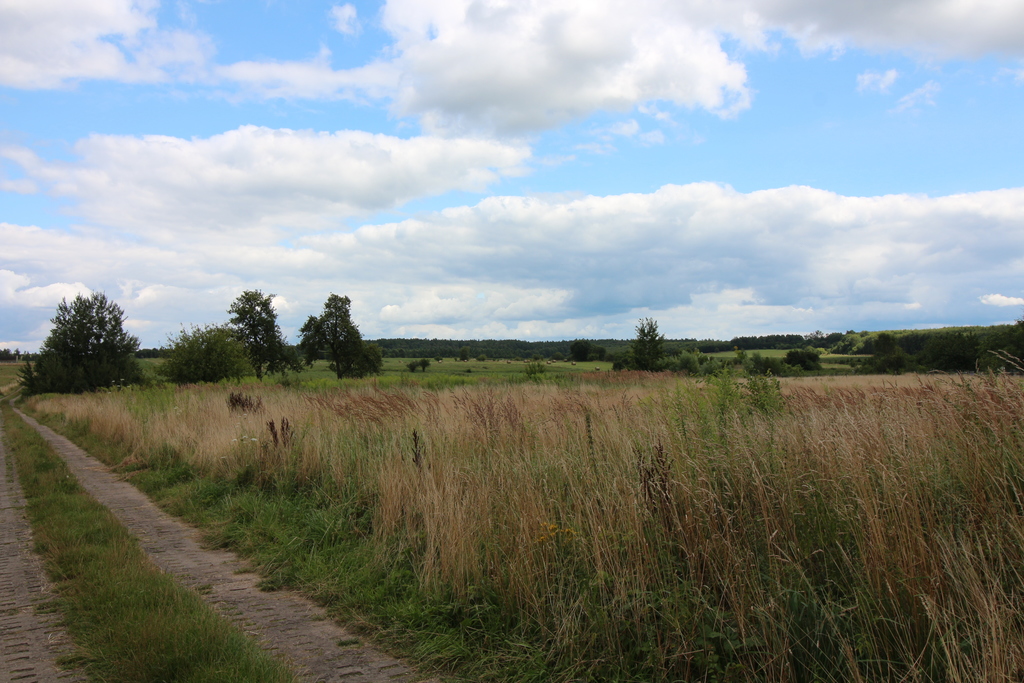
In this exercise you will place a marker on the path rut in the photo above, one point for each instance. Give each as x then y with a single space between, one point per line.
30 639
283 622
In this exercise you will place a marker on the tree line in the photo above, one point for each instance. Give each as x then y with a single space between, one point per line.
88 347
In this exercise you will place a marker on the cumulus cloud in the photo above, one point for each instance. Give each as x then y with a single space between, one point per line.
872 80
48 43
15 291
1000 300
255 178
511 68
505 67
701 258
517 66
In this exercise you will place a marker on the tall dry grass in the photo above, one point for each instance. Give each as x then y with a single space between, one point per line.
666 530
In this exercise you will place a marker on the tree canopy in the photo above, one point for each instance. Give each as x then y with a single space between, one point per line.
254 324
87 349
334 332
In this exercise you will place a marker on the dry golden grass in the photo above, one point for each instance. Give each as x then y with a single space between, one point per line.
868 529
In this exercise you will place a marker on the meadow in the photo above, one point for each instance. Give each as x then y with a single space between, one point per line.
396 369
613 526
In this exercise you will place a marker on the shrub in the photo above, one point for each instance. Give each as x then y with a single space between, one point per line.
534 370
204 354
806 359
760 366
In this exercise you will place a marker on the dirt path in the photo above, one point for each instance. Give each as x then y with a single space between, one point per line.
282 621
30 642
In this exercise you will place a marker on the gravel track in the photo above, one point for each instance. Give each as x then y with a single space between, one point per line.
30 637
283 622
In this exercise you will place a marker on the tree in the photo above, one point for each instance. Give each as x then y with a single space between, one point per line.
422 364
807 358
889 356
464 353
254 323
951 352
580 350
335 332
204 354
87 348
646 350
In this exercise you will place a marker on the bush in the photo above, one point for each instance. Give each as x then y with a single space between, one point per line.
204 354
762 366
534 370
806 359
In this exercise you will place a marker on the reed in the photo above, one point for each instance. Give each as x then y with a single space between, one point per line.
656 528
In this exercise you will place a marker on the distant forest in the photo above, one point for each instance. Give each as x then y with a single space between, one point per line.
850 342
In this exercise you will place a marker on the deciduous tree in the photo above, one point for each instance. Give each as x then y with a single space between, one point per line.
254 324
334 332
87 348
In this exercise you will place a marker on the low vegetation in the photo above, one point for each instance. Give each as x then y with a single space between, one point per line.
627 526
130 622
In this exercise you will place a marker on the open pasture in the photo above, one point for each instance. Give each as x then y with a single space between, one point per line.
646 528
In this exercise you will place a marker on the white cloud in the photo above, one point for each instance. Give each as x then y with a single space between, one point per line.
498 66
872 80
519 66
944 28
625 128
14 291
1000 300
312 79
261 179
48 43
923 95
344 19
702 258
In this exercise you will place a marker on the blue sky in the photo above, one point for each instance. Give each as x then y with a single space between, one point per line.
536 170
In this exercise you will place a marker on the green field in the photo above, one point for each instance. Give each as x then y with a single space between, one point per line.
768 353
9 376
398 367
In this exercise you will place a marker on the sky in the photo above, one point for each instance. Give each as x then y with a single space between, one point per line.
514 168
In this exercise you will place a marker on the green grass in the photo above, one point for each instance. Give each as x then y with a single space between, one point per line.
319 543
450 372
9 377
130 622
767 353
